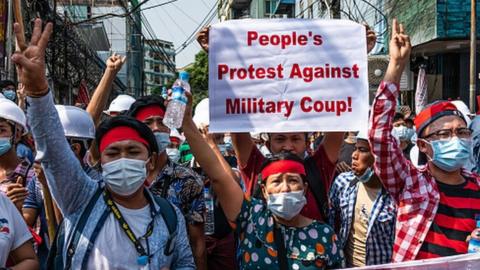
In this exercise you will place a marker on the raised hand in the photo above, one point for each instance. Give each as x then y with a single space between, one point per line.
115 62
202 38
30 61
400 46
17 193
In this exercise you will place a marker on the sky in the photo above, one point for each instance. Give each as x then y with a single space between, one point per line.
176 21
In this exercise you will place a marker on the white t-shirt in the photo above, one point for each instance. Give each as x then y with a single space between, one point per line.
13 229
112 248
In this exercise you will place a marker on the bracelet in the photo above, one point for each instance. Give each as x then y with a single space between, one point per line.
38 96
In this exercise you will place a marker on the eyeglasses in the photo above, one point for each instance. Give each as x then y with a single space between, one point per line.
446 134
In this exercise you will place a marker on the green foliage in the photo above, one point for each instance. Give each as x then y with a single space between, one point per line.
156 91
199 77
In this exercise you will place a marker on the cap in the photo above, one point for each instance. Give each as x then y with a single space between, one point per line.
433 112
184 76
463 108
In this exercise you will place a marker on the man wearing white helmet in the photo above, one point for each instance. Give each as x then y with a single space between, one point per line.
361 210
15 172
120 104
79 131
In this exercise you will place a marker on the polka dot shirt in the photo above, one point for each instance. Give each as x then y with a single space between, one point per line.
312 247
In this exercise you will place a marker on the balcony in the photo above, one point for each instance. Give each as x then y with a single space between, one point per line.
284 7
242 3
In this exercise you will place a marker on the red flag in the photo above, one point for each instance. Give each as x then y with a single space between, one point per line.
83 96
478 105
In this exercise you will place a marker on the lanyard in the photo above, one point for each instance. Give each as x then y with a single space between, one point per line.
144 257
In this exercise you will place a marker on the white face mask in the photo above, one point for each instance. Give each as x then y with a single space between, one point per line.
124 176
173 154
286 205
163 140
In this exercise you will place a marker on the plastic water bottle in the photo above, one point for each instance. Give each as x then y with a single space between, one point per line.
209 212
176 107
474 244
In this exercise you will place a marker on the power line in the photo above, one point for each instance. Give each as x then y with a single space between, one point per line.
186 14
206 20
109 15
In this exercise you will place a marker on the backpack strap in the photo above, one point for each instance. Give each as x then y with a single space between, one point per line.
169 215
317 185
77 232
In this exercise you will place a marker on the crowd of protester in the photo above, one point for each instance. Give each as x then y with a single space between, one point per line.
115 188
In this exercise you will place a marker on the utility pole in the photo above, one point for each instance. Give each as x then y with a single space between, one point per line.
8 42
335 9
473 55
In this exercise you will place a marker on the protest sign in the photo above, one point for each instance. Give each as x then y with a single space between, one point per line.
458 262
288 75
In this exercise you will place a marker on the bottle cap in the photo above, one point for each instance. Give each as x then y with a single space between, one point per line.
184 76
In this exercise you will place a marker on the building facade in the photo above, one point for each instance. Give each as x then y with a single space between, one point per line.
255 9
156 71
440 35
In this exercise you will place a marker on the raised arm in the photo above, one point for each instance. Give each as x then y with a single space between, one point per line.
393 169
102 92
224 185
69 185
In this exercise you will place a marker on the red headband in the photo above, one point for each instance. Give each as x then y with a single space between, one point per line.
283 166
122 133
146 112
175 140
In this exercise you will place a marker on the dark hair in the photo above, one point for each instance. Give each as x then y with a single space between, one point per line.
409 121
398 116
5 83
145 101
282 156
126 121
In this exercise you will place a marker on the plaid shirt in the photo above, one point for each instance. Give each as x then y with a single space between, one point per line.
381 225
414 190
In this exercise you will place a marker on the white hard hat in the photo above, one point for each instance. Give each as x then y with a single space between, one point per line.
463 108
201 118
120 103
362 135
11 112
1 96
76 122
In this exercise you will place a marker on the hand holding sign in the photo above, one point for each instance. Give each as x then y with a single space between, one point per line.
288 75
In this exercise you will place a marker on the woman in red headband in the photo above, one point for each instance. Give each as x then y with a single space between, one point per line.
272 233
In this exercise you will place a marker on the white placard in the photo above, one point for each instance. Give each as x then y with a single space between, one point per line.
281 75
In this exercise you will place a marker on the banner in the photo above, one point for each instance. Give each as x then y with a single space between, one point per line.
288 75
458 262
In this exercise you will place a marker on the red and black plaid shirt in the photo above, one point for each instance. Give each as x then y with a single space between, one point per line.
414 190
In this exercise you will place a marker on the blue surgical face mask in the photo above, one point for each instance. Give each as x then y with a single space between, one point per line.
401 133
163 140
5 145
365 177
9 94
173 154
286 205
451 155
124 176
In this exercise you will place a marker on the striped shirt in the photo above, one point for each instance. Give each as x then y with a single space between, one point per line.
455 220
